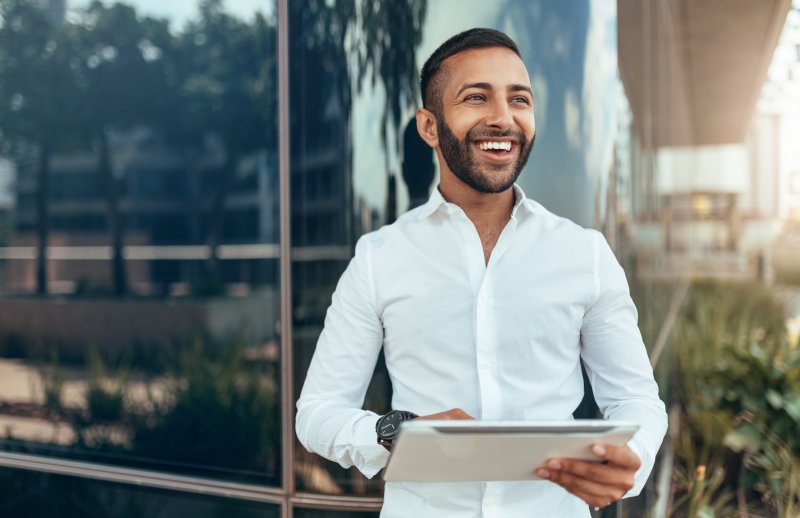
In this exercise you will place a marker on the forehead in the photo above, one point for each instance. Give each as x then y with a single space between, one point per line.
498 66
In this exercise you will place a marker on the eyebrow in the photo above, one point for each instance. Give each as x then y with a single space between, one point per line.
488 86
521 88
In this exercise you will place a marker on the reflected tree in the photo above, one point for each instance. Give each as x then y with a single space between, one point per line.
390 34
375 41
229 92
366 42
123 86
39 105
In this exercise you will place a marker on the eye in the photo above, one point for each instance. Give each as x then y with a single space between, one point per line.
521 99
475 97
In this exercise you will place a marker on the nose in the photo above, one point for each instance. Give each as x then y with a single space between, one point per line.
500 116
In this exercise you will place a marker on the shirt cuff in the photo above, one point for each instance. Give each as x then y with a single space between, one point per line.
370 457
638 445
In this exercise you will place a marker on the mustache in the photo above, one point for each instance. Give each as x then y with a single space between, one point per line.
484 134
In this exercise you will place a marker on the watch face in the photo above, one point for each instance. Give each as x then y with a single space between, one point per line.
389 425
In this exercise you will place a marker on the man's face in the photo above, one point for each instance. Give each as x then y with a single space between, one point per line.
486 131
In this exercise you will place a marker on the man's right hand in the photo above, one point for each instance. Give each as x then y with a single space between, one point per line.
455 414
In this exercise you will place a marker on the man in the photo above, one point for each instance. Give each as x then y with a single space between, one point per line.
484 303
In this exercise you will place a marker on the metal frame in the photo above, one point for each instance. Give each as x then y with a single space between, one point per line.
141 477
284 182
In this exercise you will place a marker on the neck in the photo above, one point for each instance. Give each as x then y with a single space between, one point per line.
481 208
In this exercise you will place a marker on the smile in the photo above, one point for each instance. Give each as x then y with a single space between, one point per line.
496 151
504 145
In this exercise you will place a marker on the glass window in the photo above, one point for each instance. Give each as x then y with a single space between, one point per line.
139 208
29 493
319 513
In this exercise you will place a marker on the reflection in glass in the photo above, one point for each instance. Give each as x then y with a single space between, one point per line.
139 201
28 493
319 513
334 57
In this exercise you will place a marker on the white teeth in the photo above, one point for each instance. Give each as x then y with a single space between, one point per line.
495 145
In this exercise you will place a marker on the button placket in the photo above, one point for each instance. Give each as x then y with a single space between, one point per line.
476 265
502 242
486 349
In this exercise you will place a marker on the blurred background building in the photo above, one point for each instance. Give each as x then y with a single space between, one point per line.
172 225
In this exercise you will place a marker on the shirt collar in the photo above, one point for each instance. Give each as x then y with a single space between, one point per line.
437 201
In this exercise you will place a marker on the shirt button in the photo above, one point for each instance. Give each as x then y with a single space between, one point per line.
483 297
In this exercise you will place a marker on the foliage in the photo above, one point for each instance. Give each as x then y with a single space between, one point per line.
51 380
383 37
226 404
214 408
738 384
39 100
767 395
703 494
391 32
105 395
38 96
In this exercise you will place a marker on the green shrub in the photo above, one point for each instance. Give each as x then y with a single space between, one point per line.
738 386
105 394
218 410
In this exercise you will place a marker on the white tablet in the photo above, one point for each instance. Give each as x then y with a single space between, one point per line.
459 451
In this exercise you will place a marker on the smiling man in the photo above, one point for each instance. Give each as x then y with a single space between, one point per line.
484 303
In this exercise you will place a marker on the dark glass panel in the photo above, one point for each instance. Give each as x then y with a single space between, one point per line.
319 513
139 235
42 495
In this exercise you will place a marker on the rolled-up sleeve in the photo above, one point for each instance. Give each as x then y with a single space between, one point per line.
617 363
330 420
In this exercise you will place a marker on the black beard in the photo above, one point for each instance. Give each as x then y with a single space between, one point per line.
458 156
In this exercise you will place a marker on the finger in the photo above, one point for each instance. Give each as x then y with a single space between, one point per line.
575 485
449 415
619 455
457 413
606 474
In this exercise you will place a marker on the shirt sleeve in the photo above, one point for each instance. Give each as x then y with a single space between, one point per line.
330 421
617 364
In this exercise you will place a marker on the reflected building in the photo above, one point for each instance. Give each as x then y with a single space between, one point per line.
165 198
7 198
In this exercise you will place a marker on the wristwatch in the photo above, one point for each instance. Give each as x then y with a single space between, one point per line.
388 426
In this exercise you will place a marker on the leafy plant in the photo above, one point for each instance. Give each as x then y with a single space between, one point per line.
217 409
105 394
702 496
738 383
51 382
768 395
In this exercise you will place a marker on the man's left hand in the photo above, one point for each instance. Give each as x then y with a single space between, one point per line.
596 484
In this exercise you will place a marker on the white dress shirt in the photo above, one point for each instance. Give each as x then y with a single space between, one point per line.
502 341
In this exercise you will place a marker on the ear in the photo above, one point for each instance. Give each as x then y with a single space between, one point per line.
426 126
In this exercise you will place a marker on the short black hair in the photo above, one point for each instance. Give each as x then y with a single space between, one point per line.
432 77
